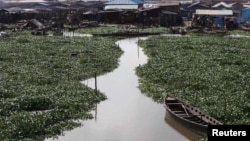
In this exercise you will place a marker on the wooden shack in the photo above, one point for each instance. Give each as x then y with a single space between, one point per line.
122 11
170 14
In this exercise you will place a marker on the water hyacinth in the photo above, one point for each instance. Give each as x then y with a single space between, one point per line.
210 72
40 92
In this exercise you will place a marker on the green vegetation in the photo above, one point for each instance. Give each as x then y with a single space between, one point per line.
211 72
40 92
239 32
110 29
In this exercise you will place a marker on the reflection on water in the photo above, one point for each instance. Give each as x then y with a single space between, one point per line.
183 130
127 114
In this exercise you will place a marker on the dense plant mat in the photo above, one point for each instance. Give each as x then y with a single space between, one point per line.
40 92
210 72
239 32
116 28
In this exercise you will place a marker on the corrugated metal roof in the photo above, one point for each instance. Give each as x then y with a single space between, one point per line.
3 10
162 4
127 7
223 4
169 12
89 13
125 2
246 5
214 12
37 23
15 9
198 3
30 11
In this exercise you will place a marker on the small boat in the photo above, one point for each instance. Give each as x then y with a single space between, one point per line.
188 115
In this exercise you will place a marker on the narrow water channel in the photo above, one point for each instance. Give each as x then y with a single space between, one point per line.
127 114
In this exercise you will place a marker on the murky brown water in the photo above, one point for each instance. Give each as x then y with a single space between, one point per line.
127 114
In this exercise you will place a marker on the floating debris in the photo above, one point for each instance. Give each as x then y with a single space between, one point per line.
238 36
73 34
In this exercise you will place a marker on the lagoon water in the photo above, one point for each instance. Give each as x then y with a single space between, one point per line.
127 114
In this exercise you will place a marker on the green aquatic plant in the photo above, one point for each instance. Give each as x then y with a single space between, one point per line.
210 72
110 29
40 92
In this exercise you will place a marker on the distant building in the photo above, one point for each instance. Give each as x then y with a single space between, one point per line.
122 11
189 9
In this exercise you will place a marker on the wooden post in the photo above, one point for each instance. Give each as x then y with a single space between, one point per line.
96 112
138 51
95 84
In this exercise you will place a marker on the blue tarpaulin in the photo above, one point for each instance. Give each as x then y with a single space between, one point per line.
219 21
245 15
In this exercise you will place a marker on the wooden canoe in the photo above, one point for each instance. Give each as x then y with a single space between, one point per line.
188 115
